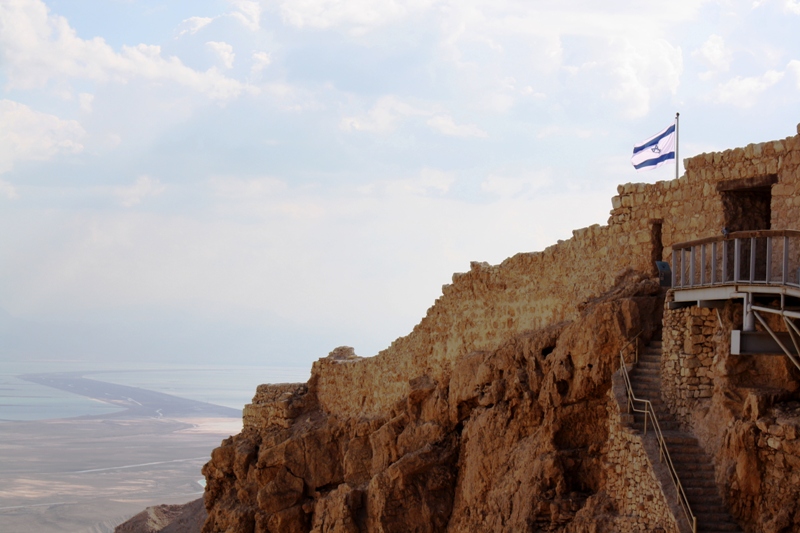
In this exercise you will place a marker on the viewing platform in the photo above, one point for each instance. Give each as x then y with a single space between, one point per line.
760 267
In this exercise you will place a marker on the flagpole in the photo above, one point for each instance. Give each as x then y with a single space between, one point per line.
677 142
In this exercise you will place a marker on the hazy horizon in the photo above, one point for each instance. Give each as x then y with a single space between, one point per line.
262 181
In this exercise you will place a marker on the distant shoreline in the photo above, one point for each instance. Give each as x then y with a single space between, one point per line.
134 402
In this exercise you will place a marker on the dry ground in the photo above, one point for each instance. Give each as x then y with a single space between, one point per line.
90 474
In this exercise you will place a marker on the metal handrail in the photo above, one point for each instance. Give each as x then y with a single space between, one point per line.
662 445
716 261
739 234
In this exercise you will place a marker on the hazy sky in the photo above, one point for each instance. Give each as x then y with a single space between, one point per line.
261 181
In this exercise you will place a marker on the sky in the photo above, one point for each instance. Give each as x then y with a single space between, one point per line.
258 182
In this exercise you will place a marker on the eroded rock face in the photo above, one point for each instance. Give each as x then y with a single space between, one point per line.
745 411
186 518
509 440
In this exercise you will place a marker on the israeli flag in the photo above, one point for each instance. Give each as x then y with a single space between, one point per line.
655 151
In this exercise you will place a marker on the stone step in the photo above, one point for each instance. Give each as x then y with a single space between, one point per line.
653 387
638 379
644 373
702 493
704 482
715 526
694 467
665 425
703 506
639 370
698 458
686 448
679 437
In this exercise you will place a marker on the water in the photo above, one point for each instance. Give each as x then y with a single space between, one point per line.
22 400
230 386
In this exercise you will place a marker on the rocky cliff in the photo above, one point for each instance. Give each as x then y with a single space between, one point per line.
498 412
511 439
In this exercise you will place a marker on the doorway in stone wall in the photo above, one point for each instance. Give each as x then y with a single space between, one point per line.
746 206
657 251
746 202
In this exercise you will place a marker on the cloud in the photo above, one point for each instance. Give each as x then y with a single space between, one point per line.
383 117
306 255
37 47
744 92
224 51
714 54
641 70
28 135
85 100
445 125
562 131
193 24
430 181
8 190
235 188
261 60
793 6
359 15
389 111
248 12
516 185
794 65
142 188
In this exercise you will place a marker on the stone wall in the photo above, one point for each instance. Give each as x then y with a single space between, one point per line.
741 408
631 480
691 207
277 404
690 337
483 308
489 304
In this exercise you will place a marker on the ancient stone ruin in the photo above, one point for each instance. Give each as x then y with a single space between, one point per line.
564 390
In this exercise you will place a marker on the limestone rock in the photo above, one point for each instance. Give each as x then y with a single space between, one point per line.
510 439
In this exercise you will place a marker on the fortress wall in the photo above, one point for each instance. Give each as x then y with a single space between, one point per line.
481 309
691 207
489 304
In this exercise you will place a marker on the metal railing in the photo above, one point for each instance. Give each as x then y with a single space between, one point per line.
755 257
650 413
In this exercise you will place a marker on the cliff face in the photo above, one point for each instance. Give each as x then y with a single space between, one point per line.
511 439
496 413
745 411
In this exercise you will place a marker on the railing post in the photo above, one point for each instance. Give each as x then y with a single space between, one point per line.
713 262
645 420
691 266
768 275
683 267
785 271
674 270
752 259
749 321
724 262
737 250
694 524
702 264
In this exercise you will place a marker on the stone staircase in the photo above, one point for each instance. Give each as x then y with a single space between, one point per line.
695 469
